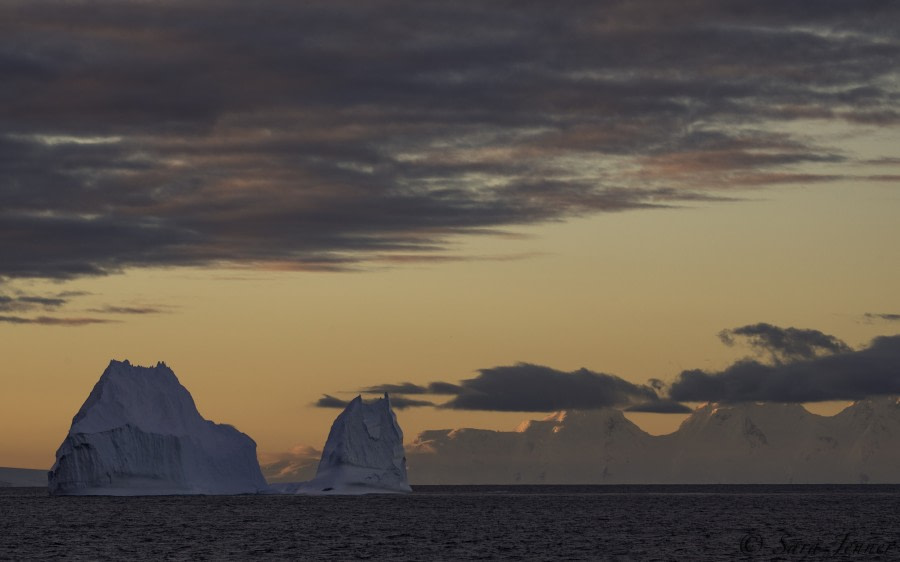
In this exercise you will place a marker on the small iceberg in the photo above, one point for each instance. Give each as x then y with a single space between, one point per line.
363 454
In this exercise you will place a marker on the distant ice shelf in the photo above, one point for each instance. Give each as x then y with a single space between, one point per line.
742 443
22 477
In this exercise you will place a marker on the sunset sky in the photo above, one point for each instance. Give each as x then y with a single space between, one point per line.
291 202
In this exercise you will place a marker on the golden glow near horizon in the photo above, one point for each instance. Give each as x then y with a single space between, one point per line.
640 294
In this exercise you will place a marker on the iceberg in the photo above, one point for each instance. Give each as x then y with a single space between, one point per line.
139 433
363 454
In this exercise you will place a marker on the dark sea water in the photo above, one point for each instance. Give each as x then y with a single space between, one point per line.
465 523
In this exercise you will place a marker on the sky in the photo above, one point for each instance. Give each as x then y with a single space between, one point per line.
506 208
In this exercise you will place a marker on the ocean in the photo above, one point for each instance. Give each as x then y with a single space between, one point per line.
755 522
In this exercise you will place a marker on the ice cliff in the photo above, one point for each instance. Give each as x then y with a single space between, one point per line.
363 453
139 433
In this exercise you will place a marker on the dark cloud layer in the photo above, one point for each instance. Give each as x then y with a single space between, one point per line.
397 402
28 309
53 321
806 366
444 388
438 387
660 407
29 302
534 388
109 309
883 316
785 344
402 388
525 387
327 135
329 401
850 375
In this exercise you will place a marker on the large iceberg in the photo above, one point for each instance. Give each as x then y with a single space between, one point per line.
139 433
363 453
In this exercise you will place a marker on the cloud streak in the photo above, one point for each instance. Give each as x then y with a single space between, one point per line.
53 321
401 388
884 316
333 135
850 375
13 308
534 388
29 302
660 407
526 387
785 344
803 365
109 309
397 402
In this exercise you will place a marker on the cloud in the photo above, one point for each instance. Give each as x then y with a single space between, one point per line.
329 401
806 366
53 321
401 403
70 294
524 388
402 388
332 136
29 302
444 388
850 375
660 407
47 302
60 303
887 317
785 344
534 388
397 402
438 387
128 310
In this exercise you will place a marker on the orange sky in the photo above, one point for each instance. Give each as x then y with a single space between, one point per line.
640 294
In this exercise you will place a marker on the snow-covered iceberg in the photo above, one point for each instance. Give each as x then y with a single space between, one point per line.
363 453
139 433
